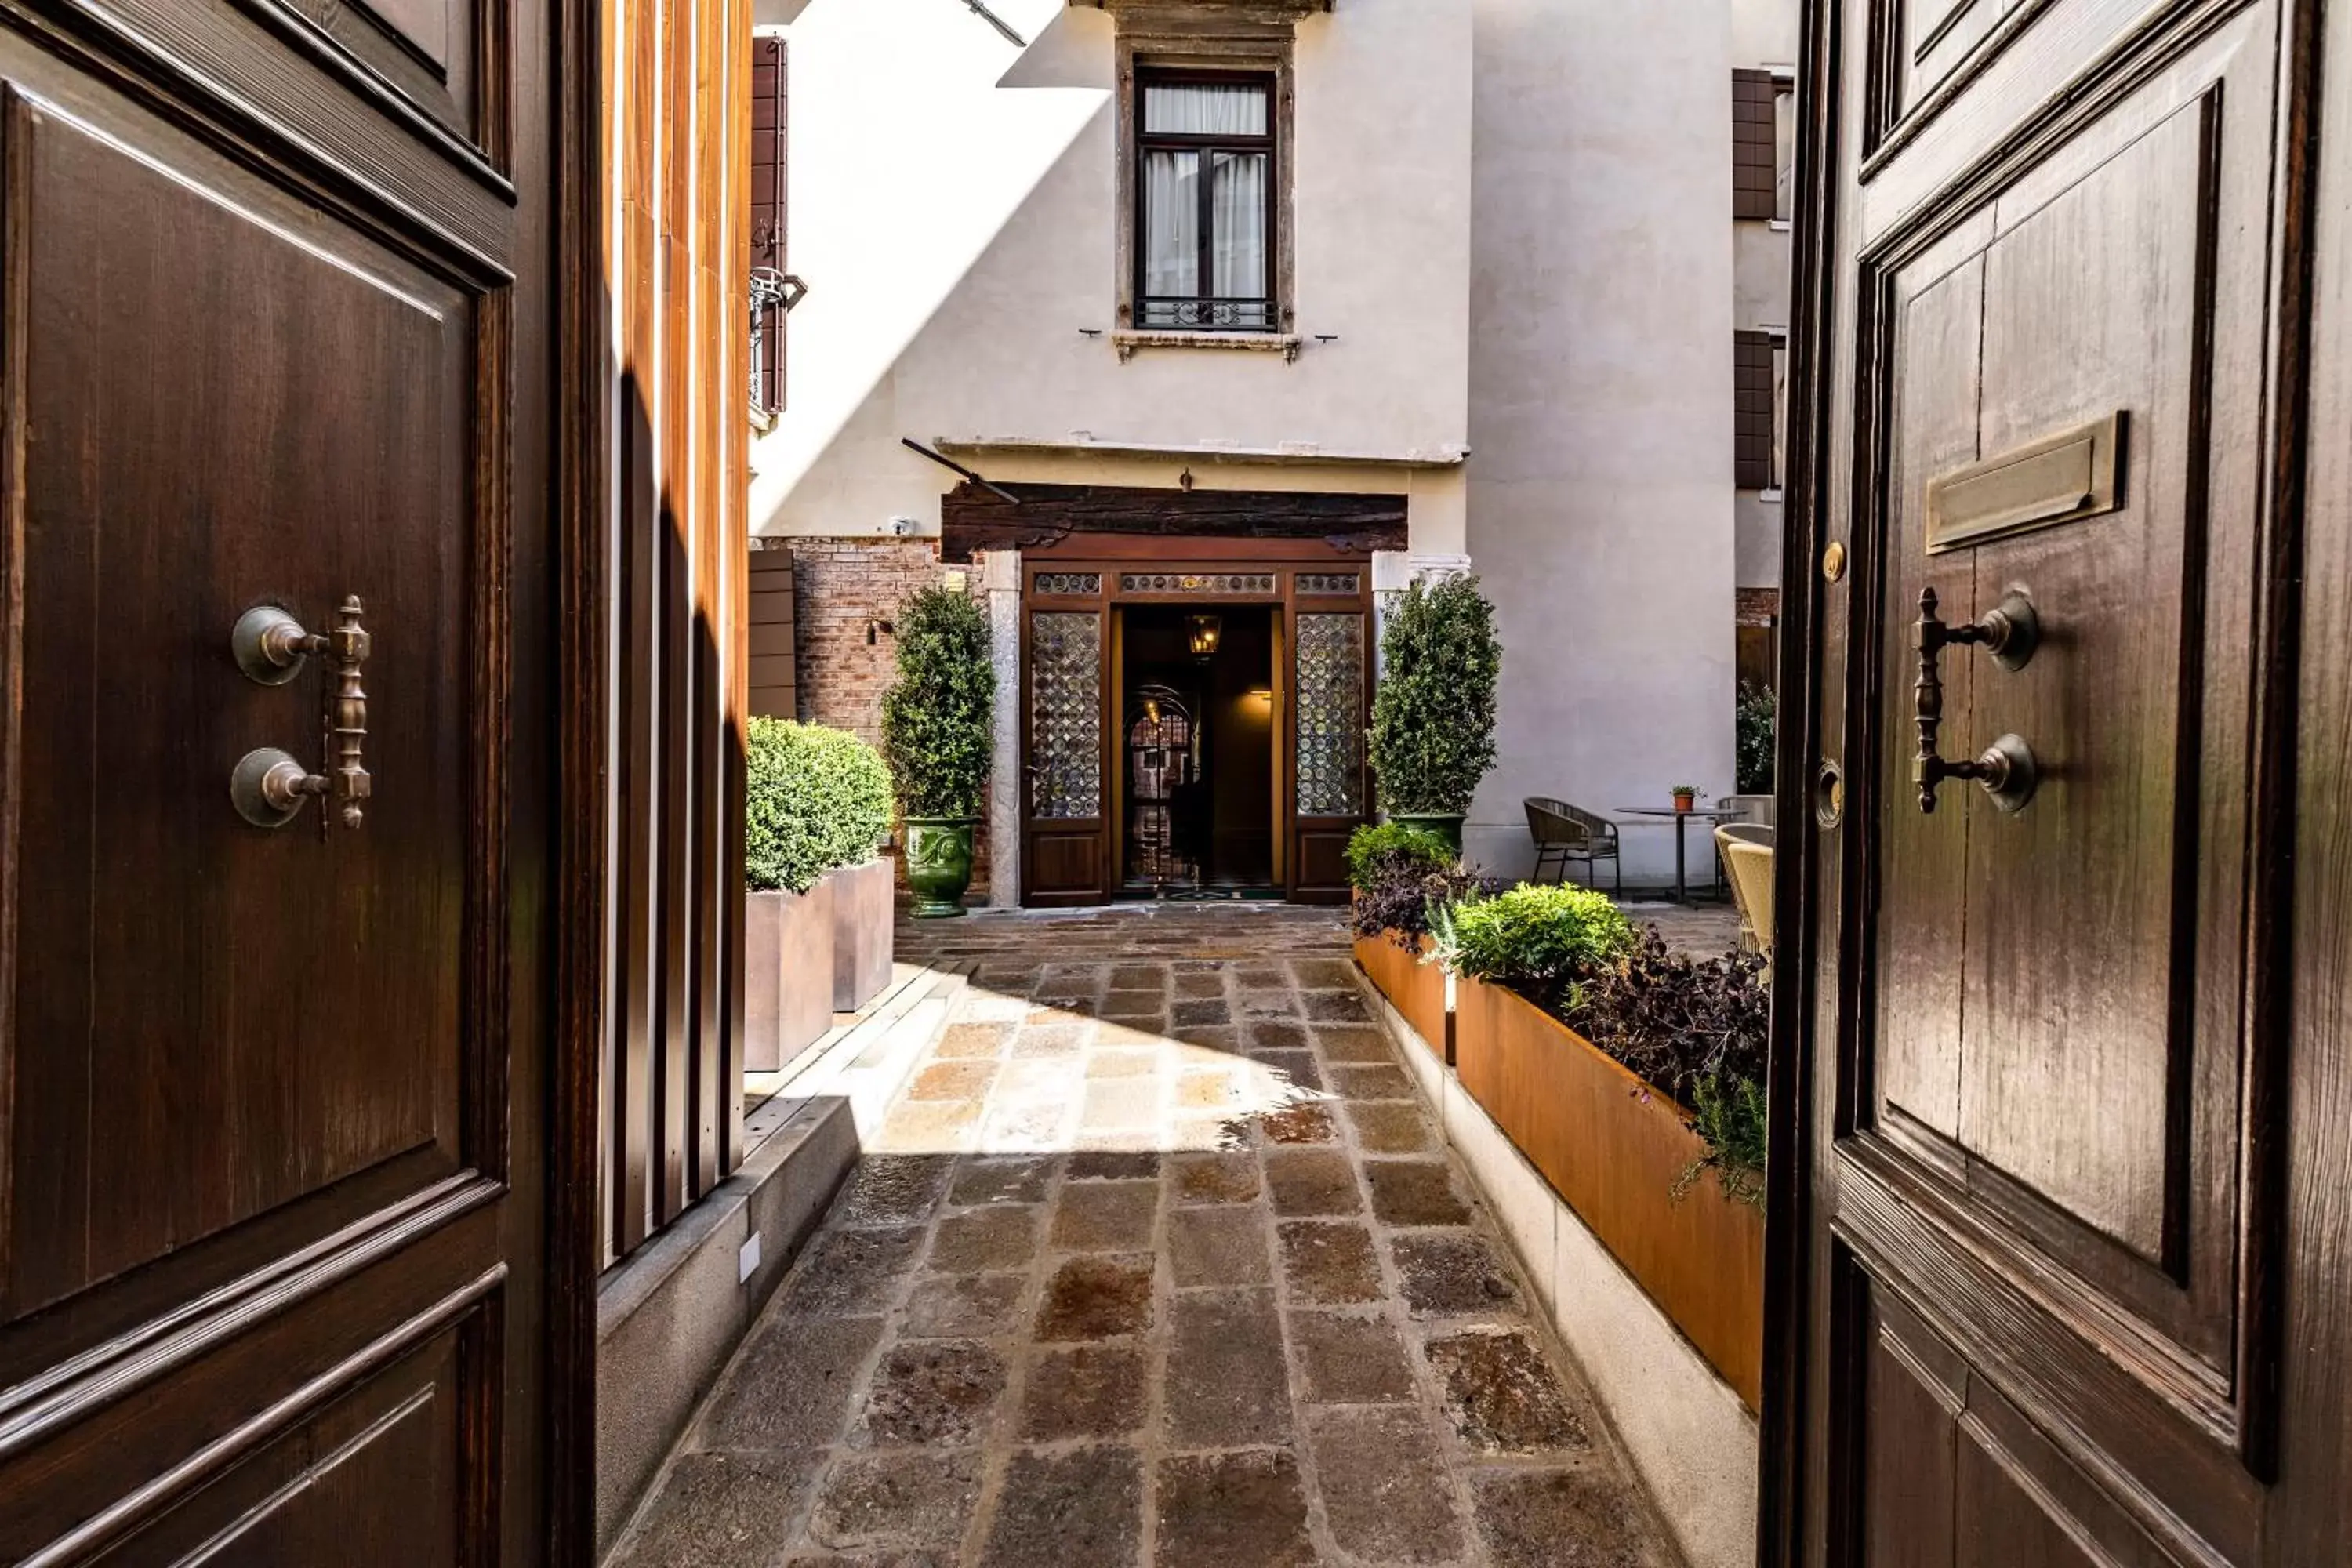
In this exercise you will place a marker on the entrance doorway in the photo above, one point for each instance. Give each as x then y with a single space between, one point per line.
1272 770
1196 751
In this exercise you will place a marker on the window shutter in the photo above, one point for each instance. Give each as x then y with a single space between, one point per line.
768 129
1751 423
1754 153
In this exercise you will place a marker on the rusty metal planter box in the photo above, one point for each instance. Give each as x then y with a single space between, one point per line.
787 972
1414 988
1613 1148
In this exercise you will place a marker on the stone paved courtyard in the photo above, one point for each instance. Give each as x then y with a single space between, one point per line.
1157 1260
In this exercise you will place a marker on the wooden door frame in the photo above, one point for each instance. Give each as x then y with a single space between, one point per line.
1781 1479
583 574
1108 556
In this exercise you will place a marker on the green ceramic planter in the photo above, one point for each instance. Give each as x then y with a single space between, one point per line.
938 864
1446 826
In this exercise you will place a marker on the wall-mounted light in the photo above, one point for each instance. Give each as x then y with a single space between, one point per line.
1207 632
875 630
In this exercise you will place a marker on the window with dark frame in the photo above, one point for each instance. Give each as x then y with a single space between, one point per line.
1205 202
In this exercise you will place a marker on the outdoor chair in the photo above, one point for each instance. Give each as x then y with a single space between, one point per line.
1754 809
1565 833
1747 851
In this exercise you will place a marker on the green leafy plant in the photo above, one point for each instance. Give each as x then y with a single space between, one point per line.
1400 873
1754 718
1433 736
1544 940
813 799
1391 846
1727 1113
935 718
1691 790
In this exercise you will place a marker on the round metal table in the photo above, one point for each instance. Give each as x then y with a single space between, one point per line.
1654 814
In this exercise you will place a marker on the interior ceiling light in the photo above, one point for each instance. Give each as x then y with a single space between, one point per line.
1207 632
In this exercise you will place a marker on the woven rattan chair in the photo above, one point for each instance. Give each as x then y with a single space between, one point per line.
1565 833
1747 851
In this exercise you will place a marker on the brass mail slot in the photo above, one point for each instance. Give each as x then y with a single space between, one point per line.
2059 478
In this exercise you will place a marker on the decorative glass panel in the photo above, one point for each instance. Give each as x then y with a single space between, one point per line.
1327 585
1069 585
1206 583
1330 703
1065 715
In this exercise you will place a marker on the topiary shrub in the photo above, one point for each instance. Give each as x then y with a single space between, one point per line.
1432 735
935 718
1400 873
813 799
1752 727
1543 939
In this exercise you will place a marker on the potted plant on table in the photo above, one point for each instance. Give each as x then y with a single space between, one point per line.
1687 797
1433 735
816 803
935 731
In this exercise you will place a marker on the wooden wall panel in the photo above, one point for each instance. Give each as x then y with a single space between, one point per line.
678 98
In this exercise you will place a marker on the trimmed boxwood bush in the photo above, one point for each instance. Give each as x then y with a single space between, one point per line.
814 799
1400 873
1432 735
1541 939
935 718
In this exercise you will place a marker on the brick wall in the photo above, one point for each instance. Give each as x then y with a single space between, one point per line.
840 587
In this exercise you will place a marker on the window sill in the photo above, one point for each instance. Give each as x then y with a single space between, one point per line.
1127 341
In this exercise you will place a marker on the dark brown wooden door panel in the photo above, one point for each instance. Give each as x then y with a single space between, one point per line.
2051 380
270 339
317 1059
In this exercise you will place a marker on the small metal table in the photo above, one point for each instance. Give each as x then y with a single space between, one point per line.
1657 814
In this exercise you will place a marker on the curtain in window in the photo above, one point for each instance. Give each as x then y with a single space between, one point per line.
1172 224
1237 110
1237 215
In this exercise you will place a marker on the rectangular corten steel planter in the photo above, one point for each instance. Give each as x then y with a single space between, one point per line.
862 912
1613 1148
1414 988
787 972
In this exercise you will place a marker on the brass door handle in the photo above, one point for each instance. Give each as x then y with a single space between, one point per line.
268 786
2007 769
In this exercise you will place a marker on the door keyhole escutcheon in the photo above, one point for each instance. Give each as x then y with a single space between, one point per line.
268 785
2007 769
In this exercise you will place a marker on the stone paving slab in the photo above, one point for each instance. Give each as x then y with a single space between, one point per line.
1156 1261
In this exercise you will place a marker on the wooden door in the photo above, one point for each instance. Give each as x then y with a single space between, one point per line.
273 1100
1326 642
1066 812
2046 1284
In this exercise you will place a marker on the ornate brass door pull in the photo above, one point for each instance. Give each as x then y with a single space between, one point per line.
2007 770
268 786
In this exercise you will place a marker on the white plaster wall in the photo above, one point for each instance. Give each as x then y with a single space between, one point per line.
954 208
1601 499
